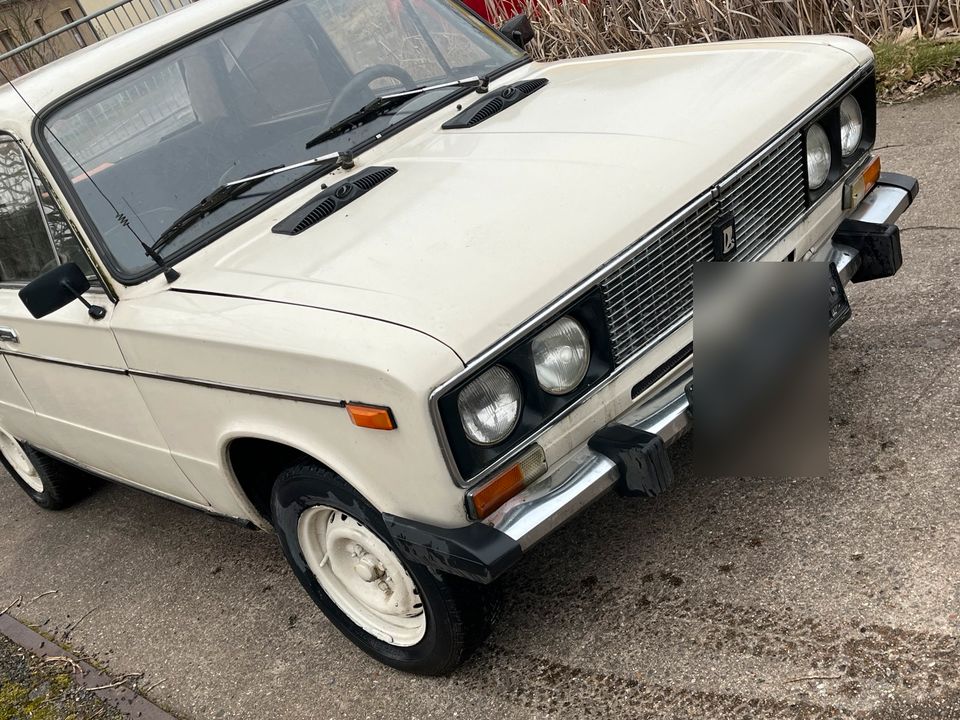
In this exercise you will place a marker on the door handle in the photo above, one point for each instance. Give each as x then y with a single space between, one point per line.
8 334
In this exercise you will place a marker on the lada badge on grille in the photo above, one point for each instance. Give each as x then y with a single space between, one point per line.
724 237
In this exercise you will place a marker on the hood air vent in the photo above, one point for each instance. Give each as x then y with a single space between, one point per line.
494 102
332 199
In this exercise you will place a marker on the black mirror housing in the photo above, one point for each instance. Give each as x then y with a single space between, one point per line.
519 30
54 289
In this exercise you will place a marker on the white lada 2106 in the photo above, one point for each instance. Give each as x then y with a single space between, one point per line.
362 273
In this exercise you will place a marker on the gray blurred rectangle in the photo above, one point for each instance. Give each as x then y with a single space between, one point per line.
760 384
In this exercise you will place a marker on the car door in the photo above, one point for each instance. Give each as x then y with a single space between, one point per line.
68 364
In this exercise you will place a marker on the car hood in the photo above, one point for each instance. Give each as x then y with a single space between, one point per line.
481 228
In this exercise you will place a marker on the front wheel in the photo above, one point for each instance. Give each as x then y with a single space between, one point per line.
403 614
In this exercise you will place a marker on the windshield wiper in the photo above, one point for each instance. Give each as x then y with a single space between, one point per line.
382 103
230 191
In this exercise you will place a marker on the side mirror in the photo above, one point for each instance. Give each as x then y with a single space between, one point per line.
56 289
519 30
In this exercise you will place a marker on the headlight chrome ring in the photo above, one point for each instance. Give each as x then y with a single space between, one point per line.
851 126
489 406
561 355
819 156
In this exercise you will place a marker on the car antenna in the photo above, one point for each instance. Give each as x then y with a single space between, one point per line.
168 272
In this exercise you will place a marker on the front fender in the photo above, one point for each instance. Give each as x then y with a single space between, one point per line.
214 368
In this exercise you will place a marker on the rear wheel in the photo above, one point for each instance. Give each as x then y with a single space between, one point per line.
403 614
50 483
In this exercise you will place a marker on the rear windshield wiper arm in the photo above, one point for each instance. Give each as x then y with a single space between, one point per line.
379 104
232 190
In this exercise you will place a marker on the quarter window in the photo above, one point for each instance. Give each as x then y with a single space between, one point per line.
65 243
26 247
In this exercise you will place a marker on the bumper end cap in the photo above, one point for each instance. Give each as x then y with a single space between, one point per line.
476 552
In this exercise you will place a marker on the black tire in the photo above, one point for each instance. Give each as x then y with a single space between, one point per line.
63 484
460 613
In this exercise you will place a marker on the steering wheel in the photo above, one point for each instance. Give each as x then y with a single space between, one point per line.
357 92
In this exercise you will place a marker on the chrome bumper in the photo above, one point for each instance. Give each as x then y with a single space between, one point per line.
584 475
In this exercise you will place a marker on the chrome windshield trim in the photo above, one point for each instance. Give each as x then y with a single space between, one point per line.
588 284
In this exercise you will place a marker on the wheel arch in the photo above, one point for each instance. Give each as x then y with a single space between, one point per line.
253 462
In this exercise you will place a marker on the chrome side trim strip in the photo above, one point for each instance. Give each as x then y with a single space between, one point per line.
240 389
60 361
213 385
588 283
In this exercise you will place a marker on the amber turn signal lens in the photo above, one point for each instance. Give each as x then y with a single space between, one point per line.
496 492
371 416
487 498
859 185
871 174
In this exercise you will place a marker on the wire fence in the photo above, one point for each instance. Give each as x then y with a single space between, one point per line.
32 53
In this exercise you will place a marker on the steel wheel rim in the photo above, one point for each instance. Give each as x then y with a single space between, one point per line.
14 454
362 576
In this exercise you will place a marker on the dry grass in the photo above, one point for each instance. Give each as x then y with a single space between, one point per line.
568 28
907 68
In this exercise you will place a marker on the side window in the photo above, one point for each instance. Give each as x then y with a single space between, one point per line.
64 241
26 250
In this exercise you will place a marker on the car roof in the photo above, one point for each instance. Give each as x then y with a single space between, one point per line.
42 86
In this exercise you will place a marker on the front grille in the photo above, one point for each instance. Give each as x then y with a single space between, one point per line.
651 293
767 198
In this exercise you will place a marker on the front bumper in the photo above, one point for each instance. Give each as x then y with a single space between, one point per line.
484 550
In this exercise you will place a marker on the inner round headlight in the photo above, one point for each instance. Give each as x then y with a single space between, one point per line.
561 354
490 406
818 156
851 125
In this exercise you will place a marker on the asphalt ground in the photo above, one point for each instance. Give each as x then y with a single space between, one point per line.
717 600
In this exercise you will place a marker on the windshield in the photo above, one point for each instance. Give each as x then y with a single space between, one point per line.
249 97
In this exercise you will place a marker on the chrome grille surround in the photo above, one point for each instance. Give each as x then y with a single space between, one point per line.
651 293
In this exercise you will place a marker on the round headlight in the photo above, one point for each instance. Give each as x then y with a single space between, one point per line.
490 406
818 156
851 125
561 355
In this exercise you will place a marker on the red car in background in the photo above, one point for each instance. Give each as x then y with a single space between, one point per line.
478 6
511 7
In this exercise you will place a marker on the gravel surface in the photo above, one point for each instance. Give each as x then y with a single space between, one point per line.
729 599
